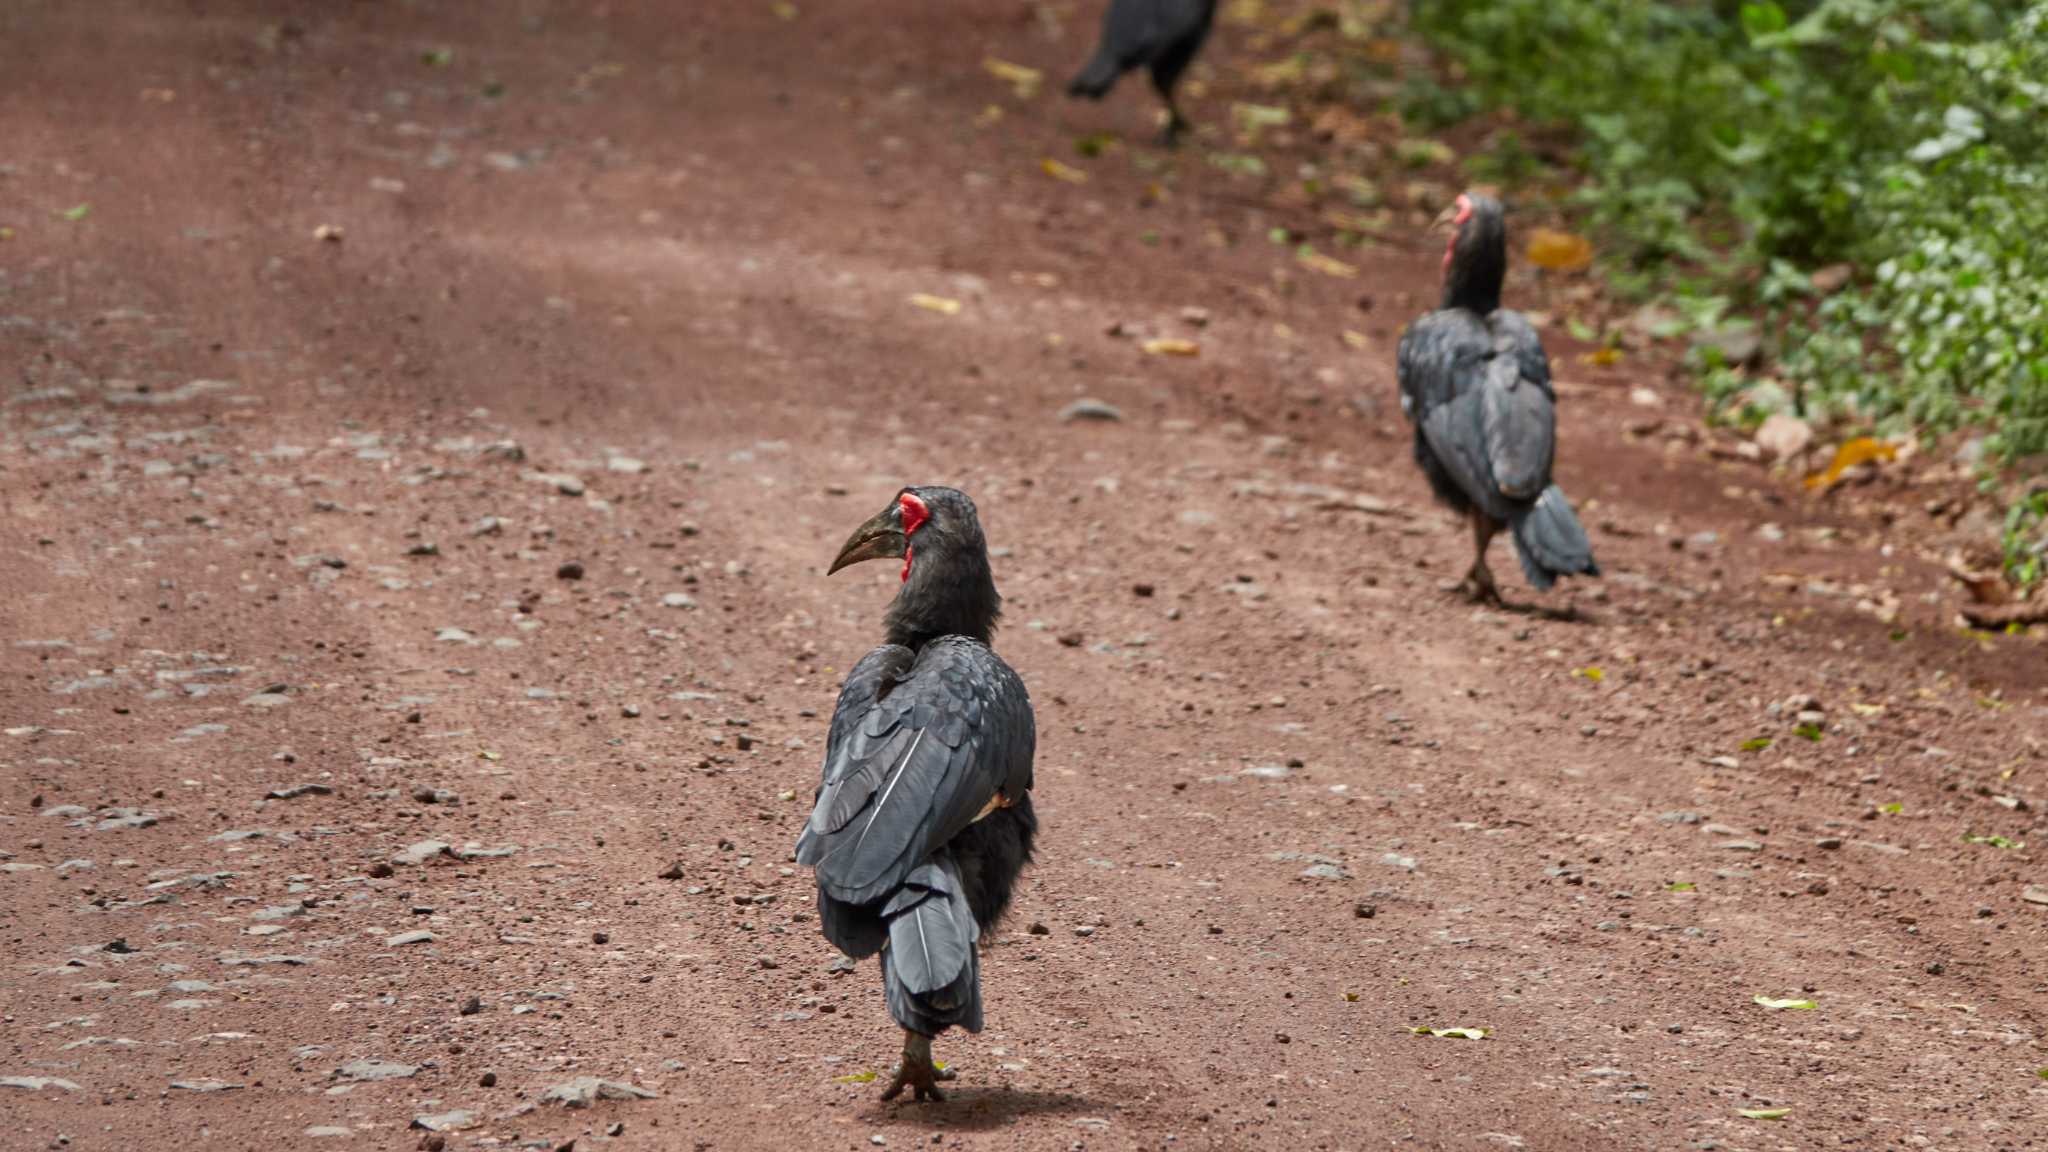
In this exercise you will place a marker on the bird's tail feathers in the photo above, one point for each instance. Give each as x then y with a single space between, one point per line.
1096 79
930 971
1549 540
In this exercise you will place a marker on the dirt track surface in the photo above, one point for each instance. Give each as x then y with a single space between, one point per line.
284 511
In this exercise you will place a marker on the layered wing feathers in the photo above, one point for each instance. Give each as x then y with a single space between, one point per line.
920 743
1479 390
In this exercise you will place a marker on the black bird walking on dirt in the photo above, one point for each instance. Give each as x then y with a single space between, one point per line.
1476 384
1162 35
923 820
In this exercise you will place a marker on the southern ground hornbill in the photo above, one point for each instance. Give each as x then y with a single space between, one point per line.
1476 384
923 820
1161 36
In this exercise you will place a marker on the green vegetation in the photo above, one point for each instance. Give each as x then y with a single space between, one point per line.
1729 150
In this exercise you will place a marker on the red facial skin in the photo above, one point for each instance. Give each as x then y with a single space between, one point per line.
914 516
1457 225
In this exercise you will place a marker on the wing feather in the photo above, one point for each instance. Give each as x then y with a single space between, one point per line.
909 767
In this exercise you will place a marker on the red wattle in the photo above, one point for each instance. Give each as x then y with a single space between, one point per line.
914 513
906 563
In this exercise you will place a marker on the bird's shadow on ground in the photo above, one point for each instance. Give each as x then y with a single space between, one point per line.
1569 614
979 1109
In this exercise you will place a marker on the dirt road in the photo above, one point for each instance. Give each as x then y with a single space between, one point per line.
497 519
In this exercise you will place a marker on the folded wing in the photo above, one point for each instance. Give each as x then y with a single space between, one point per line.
920 745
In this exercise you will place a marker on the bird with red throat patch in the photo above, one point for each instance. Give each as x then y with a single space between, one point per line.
1475 383
923 819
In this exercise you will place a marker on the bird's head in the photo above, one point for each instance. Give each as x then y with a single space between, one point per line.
948 588
937 521
1476 255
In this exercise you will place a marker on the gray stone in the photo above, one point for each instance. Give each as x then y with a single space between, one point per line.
298 790
561 482
322 1131
454 1121
374 1070
416 936
37 1083
419 853
678 600
207 1085
122 819
1090 409
234 835
584 1090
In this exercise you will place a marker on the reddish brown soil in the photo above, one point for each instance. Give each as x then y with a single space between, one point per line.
686 234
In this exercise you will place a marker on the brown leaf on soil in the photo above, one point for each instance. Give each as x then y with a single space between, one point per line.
1559 251
1861 450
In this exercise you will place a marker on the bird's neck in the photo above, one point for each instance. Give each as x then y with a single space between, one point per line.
945 596
1473 280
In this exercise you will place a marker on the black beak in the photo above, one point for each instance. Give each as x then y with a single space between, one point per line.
879 537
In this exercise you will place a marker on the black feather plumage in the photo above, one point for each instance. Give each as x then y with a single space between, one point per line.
923 819
1161 36
1475 382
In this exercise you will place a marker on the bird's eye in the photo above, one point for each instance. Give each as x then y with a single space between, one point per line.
914 512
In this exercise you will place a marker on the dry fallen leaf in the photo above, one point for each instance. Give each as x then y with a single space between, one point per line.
1023 81
1063 172
1559 251
784 11
1356 340
1317 262
938 304
989 115
1861 450
1172 346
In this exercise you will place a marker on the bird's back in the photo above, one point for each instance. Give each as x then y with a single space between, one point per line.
1477 389
923 820
1137 32
921 742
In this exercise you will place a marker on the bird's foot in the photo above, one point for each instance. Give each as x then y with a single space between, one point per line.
1480 587
918 1072
1169 136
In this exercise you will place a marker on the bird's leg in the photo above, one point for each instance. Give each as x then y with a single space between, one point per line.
1169 137
1479 582
917 1071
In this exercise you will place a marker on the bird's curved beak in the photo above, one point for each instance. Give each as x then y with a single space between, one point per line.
1444 221
879 537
